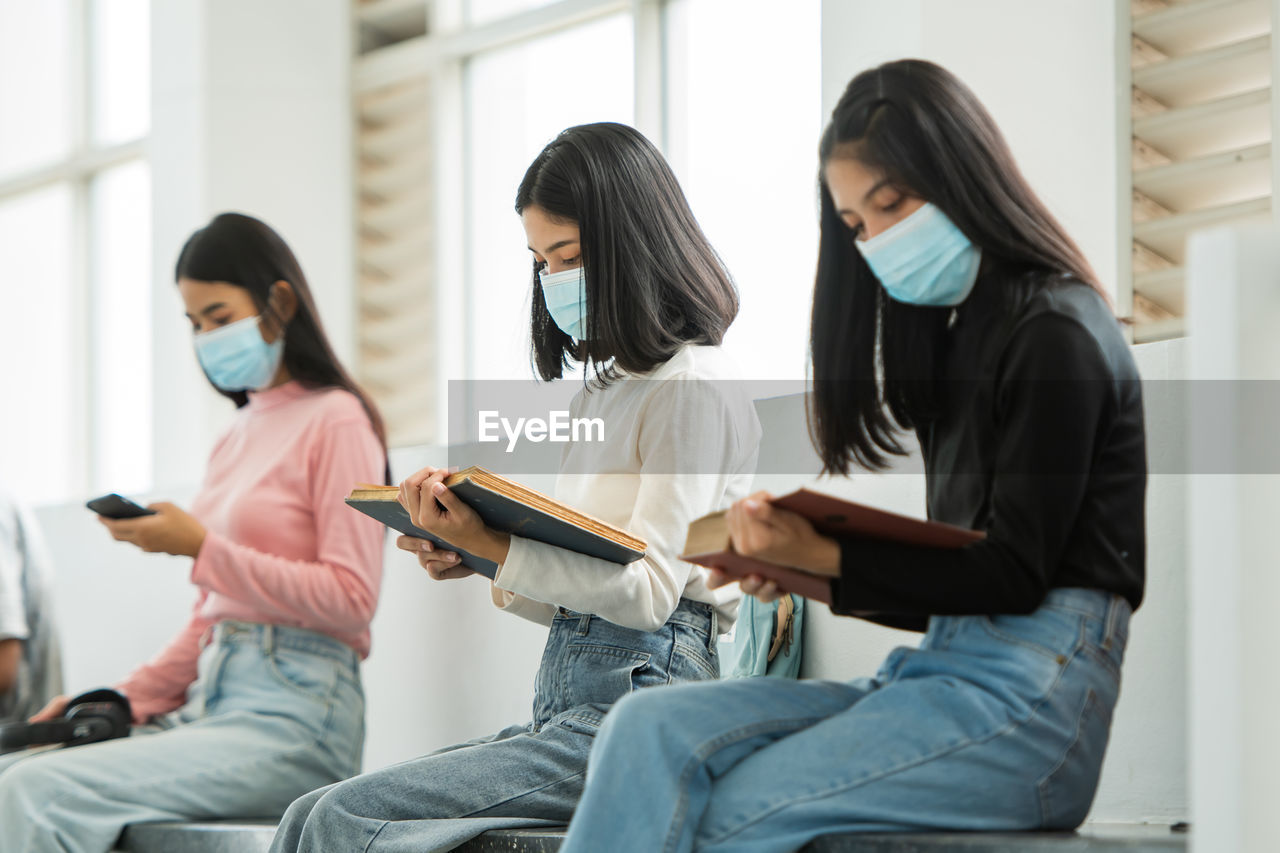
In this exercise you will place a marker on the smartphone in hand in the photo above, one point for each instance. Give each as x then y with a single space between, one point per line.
117 507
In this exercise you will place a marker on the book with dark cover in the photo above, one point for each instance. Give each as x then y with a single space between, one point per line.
708 542
512 508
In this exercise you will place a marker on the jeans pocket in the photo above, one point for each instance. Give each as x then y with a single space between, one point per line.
601 675
1054 634
1067 790
313 676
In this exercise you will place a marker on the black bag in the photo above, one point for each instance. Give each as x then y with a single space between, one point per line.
90 717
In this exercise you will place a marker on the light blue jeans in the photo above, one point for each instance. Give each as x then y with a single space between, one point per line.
528 775
275 712
994 723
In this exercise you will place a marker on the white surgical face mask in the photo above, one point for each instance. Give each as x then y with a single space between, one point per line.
236 358
565 293
924 259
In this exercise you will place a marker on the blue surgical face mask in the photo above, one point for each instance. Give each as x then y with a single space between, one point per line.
236 358
565 293
924 259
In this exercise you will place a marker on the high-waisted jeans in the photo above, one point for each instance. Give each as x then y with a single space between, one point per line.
275 712
525 775
993 723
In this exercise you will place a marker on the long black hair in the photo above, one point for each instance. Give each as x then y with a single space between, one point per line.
654 283
877 362
246 252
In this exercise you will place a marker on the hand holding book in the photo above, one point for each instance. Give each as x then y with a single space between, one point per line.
786 541
435 509
776 535
472 513
791 543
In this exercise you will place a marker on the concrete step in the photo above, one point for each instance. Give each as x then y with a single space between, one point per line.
240 836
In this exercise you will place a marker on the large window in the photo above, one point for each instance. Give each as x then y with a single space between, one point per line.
75 248
730 90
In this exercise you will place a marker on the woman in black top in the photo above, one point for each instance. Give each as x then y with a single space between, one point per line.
951 303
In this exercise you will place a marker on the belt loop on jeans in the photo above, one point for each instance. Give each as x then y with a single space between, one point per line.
269 639
584 624
715 630
1109 627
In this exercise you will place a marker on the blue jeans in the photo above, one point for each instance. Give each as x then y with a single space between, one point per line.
528 775
993 723
274 712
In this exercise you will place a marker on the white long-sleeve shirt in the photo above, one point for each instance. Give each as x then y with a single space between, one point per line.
679 442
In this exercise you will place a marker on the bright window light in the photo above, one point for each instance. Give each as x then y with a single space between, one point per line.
121 54
35 84
40 346
120 286
744 113
518 99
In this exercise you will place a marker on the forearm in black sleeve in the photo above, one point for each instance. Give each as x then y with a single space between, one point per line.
1051 396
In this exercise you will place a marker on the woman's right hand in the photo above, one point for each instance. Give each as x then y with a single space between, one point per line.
56 708
441 565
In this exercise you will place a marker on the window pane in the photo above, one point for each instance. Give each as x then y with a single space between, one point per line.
480 11
120 281
35 83
39 457
742 137
518 99
121 70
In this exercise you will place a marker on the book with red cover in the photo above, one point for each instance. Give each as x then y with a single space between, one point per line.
708 544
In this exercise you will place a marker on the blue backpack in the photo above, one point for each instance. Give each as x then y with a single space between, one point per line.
765 640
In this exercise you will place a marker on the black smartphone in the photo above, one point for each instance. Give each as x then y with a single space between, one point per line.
117 506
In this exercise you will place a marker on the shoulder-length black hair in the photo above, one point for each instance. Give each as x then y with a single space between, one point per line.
654 283
876 362
246 252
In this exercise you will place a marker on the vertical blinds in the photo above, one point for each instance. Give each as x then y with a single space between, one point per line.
394 213
1201 147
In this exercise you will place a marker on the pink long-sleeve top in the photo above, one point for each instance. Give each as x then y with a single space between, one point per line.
280 547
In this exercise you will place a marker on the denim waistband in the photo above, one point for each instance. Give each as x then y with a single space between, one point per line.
270 637
695 614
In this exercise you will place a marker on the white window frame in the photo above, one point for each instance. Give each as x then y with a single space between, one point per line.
84 162
442 55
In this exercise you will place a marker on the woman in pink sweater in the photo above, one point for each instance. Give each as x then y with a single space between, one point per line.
258 699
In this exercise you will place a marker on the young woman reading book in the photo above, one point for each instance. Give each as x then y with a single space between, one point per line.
950 302
257 700
625 283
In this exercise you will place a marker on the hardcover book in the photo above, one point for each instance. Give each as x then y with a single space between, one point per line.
708 542
512 508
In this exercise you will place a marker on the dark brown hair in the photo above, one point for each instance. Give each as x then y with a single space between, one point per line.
654 283
245 252
877 362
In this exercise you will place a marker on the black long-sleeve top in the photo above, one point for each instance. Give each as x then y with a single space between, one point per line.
1040 444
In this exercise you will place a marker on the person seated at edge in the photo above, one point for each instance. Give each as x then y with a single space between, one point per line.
625 283
30 654
950 302
258 699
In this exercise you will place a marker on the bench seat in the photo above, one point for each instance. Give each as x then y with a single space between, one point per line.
240 836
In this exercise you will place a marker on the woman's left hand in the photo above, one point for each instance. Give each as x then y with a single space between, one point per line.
760 530
765 590
435 509
171 530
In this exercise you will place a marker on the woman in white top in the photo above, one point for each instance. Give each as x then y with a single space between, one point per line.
625 283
